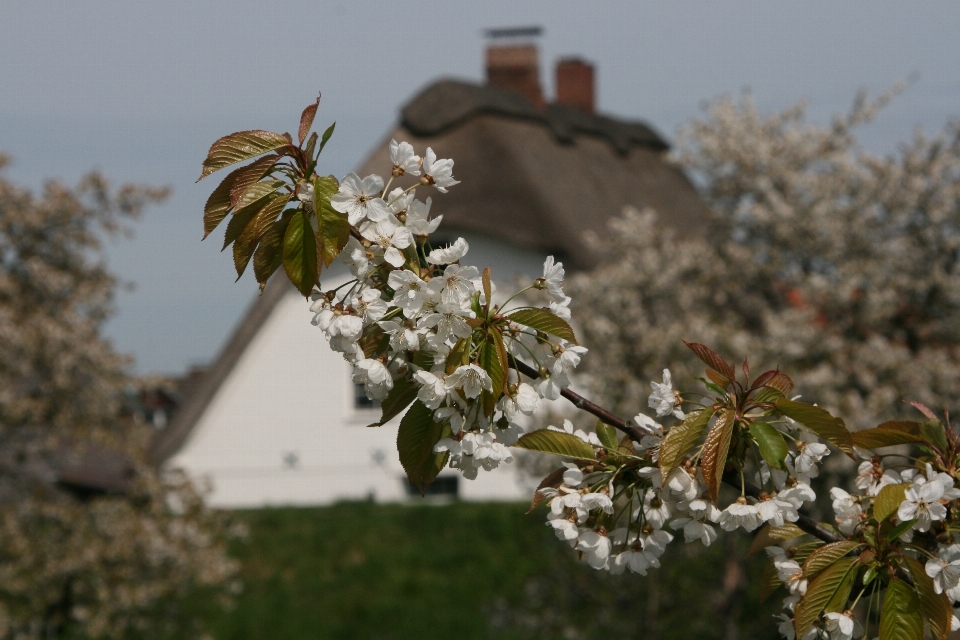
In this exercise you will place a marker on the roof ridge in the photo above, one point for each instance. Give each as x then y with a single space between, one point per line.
447 103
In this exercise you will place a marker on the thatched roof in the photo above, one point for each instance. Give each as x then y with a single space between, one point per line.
539 179
536 179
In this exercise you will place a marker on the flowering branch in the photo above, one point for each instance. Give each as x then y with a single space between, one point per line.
427 338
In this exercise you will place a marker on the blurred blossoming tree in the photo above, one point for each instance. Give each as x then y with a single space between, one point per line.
94 542
837 265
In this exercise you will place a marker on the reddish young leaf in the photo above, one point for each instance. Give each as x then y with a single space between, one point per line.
241 146
781 382
763 379
306 119
249 175
715 450
924 409
717 378
711 359
218 204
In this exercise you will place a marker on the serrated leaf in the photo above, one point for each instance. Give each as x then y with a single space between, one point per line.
306 120
249 175
772 446
802 551
680 439
772 535
819 421
715 450
888 501
900 616
334 226
245 244
766 395
888 434
300 253
936 607
402 395
826 556
556 442
821 591
711 359
416 438
218 204
544 320
780 382
269 254
239 221
555 479
373 341
769 580
607 436
238 147
326 137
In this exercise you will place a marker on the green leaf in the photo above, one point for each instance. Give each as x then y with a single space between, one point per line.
901 617
826 556
245 244
888 501
769 580
711 359
490 362
306 120
713 459
544 320
802 551
899 530
325 137
239 221
218 204
888 434
771 535
238 147
268 256
772 446
821 591
249 175
932 432
607 436
680 439
458 354
936 607
831 429
334 226
402 395
417 436
300 253
556 442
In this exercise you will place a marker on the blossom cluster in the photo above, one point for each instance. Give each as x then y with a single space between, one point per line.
410 305
622 519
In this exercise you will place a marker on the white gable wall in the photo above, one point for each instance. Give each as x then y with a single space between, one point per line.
283 428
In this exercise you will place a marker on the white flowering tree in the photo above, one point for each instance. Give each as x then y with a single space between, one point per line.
428 340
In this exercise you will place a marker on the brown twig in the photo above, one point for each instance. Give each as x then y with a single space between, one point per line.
805 523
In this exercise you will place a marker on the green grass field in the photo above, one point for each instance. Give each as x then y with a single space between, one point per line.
464 571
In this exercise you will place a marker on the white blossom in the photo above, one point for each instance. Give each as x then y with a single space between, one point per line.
449 254
403 159
664 399
471 378
438 173
740 514
553 279
360 199
390 236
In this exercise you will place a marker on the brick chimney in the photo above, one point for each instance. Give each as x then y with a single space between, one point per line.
575 84
516 68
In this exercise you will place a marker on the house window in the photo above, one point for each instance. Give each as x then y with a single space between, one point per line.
442 486
360 399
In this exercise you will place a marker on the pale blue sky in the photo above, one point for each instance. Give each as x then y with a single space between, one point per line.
141 89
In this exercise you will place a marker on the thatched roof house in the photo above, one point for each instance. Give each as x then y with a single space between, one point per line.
534 177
